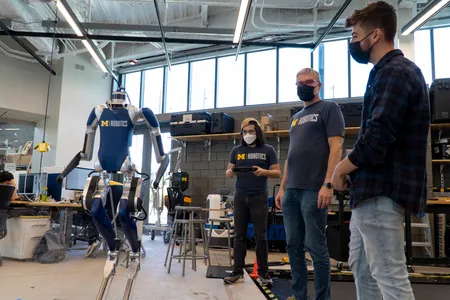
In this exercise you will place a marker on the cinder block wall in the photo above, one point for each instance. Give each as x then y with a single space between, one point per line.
206 163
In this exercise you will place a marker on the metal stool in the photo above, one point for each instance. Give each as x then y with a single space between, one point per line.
185 240
218 271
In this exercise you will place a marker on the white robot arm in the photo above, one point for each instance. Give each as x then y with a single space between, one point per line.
155 134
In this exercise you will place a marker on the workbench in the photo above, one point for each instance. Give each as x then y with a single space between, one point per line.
65 210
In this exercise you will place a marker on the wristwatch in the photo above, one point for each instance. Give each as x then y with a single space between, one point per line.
328 185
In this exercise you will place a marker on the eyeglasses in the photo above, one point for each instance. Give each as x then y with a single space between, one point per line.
309 82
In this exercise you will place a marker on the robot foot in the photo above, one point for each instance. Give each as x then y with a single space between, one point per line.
108 272
134 265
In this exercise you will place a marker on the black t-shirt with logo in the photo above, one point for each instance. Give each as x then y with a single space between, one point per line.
247 183
309 149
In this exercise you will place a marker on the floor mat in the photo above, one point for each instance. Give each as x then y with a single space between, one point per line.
281 290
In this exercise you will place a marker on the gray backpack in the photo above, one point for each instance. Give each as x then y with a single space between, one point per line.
50 249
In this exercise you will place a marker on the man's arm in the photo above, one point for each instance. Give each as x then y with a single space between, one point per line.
335 144
389 108
285 176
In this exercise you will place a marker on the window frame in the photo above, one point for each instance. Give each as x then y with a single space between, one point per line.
321 66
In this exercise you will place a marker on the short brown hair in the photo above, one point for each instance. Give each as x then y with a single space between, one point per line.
378 14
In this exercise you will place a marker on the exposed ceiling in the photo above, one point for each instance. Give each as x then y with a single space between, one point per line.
269 20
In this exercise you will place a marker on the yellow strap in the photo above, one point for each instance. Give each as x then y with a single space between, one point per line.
115 183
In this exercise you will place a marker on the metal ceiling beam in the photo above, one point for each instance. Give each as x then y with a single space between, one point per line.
156 39
133 27
88 39
166 52
331 24
7 31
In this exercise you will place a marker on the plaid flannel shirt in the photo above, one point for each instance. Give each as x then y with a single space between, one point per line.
391 149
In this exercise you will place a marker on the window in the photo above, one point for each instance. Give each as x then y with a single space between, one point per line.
177 84
422 53
359 77
136 151
441 51
335 75
230 81
261 77
202 84
153 89
133 87
291 61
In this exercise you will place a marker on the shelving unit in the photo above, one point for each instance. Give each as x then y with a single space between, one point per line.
350 131
440 161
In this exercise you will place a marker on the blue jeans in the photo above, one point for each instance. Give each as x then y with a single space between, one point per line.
377 256
305 226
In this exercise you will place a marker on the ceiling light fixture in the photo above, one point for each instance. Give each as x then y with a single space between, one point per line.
68 17
424 16
95 56
241 20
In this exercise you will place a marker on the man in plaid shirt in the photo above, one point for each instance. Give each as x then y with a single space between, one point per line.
387 166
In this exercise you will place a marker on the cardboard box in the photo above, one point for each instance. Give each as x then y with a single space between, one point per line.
13 158
25 160
266 119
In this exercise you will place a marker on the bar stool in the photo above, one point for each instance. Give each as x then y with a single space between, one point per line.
227 221
187 225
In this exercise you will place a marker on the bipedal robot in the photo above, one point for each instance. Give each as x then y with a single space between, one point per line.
117 118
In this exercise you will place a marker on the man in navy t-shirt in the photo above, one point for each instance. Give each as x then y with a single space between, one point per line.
253 162
316 137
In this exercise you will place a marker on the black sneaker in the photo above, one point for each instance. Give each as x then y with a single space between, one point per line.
234 278
265 281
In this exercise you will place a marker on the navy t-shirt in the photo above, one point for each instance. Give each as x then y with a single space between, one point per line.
247 183
309 149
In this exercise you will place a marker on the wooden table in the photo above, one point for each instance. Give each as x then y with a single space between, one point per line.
45 204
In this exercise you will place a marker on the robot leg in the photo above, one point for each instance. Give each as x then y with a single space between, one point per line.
94 195
131 203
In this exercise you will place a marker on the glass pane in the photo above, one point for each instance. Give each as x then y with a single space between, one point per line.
336 69
230 81
261 77
152 218
360 76
153 89
177 83
133 87
291 61
316 59
441 52
136 151
422 52
202 84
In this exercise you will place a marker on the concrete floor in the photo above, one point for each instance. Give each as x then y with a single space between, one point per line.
78 278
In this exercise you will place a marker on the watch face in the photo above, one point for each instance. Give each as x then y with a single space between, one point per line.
328 185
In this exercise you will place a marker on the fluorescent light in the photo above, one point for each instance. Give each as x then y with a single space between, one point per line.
426 14
12 129
240 20
95 56
68 17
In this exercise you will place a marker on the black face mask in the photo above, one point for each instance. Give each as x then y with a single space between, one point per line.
305 92
359 55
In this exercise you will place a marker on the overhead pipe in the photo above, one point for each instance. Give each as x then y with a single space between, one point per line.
284 24
7 31
8 54
18 52
80 51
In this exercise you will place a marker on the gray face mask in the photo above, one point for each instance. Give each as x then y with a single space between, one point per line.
249 138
